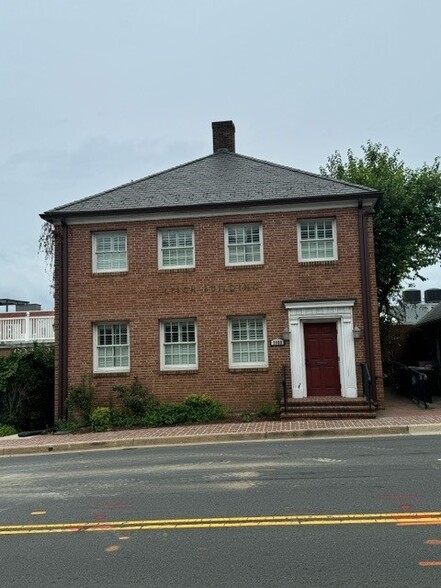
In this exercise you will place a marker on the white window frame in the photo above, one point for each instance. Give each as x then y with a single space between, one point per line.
230 263
163 344
300 240
161 248
95 253
96 332
251 364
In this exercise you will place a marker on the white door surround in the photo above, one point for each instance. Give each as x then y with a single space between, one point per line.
338 311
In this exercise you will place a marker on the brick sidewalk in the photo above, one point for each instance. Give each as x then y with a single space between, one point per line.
400 417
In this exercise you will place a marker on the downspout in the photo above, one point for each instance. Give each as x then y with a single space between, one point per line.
366 295
63 322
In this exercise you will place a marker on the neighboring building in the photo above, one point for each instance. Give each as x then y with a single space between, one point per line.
193 279
28 324
412 307
430 329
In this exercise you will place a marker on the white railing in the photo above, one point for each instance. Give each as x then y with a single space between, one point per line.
27 329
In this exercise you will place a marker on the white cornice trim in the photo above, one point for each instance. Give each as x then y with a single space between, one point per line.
227 211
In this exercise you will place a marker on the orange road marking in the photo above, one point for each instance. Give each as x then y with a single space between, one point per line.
426 564
433 542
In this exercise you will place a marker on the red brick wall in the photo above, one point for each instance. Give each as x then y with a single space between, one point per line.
210 293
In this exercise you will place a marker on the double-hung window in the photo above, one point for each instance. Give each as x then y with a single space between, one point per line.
111 347
179 344
110 251
247 342
243 244
176 248
317 240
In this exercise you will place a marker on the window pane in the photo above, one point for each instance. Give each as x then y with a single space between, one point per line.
248 342
244 244
316 239
110 251
112 346
177 248
179 343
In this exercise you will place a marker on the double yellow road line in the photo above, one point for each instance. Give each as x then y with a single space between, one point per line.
401 519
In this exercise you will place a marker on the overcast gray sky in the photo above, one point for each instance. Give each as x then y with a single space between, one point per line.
95 93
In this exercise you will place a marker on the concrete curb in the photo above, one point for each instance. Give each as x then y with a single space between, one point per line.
132 442
424 428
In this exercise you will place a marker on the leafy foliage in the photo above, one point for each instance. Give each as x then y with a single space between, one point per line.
200 408
140 408
27 387
46 245
80 399
407 222
270 410
6 430
100 419
136 398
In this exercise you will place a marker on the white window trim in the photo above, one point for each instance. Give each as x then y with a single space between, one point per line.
173 368
108 370
228 263
254 365
174 267
334 240
95 269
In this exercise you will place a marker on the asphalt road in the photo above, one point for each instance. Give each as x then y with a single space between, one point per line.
336 512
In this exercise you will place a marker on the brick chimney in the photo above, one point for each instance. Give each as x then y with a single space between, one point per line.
223 136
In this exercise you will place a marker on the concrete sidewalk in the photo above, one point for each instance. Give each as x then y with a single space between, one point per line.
401 417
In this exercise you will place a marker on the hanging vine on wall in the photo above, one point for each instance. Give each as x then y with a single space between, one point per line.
46 246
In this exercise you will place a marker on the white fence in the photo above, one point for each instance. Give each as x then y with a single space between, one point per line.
27 329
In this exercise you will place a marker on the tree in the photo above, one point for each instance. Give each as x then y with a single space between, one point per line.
27 387
407 220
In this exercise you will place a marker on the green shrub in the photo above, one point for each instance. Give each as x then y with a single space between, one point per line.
6 430
70 426
27 387
122 420
201 408
270 410
80 398
100 419
165 415
136 398
246 417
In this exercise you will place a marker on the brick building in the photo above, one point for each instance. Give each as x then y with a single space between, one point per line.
211 276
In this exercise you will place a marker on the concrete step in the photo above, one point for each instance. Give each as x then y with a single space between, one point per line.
338 415
294 408
327 401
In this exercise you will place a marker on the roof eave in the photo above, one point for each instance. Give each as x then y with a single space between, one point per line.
53 215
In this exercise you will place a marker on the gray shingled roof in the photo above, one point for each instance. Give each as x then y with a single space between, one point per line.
433 316
218 179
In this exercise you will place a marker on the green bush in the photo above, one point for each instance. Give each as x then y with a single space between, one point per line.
100 419
246 416
119 419
70 426
270 410
27 387
6 430
80 398
164 415
201 408
136 398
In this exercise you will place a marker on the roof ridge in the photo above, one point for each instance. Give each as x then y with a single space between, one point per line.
306 173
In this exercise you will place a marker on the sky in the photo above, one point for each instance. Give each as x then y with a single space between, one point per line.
95 93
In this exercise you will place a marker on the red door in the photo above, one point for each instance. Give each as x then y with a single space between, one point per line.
321 354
